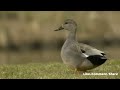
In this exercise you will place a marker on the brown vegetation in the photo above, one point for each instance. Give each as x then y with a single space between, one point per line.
36 28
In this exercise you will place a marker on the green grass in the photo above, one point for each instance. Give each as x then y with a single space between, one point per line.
57 71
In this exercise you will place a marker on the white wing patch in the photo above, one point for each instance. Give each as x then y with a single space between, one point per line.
85 55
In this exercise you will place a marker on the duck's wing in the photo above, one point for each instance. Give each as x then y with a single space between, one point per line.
89 50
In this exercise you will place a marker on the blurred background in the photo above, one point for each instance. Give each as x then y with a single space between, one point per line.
29 36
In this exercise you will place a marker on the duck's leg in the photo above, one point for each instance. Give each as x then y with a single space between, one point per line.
79 71
76 71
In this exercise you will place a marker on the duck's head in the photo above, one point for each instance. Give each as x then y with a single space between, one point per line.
69 25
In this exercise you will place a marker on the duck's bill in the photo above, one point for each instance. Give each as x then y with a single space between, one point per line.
60 28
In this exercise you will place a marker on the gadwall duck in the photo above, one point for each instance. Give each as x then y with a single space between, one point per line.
80 56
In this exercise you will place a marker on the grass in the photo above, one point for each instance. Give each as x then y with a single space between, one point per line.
57 70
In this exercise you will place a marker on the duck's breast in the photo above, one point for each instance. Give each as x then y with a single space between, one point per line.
70 54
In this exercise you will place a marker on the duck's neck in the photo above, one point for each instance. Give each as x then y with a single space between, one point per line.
72 35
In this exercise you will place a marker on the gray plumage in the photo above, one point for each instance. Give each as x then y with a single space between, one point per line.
78 55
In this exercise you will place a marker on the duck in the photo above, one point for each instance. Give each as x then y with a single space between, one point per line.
80 56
